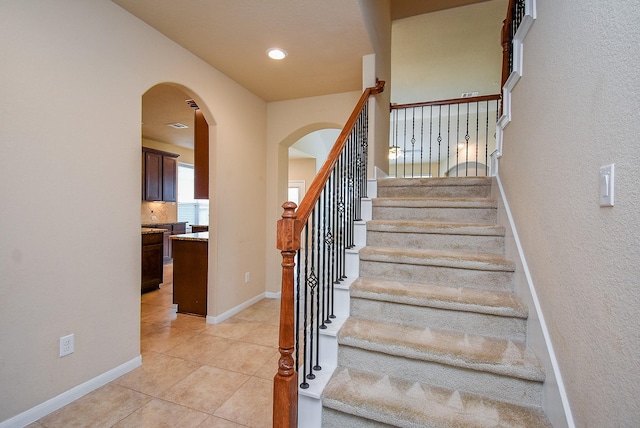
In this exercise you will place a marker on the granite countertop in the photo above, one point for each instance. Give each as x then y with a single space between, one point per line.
159 223
200 236
149 230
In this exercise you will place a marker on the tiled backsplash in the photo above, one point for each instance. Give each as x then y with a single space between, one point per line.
158 212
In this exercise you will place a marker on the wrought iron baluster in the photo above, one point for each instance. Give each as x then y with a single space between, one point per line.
430 138
466 139
486 141
477 133
439 137
313 285
448 136
421 140
458 140
305 347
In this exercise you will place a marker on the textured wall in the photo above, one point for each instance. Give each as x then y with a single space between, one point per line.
575 109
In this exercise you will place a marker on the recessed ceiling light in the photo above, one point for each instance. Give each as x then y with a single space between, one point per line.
276 53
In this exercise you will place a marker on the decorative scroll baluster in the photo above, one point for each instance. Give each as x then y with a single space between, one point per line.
322 228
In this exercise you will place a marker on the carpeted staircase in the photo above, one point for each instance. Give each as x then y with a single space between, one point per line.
435 336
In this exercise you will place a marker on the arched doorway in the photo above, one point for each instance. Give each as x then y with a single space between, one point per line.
168 121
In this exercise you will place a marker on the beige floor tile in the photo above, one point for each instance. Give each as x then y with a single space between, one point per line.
270 368
189 322
156 298
157 374
205 389
103 407
242 357
201 348
156 314
161 414
268 303
215 422
259 314
262 334
258 392
167 285
164 338
34 425
147 327
231 329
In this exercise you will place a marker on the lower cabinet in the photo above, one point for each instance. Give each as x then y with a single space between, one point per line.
190 276
152 251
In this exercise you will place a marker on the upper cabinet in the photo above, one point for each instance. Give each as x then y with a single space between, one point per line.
201 157
159 175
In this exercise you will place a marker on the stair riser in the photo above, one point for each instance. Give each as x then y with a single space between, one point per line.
506 388
463 215
417 316
335 419
435 192
487 244
437 275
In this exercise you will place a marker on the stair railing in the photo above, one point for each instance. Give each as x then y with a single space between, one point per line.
515 14
313 240
443 138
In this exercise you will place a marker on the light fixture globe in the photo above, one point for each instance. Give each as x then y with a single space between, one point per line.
276 53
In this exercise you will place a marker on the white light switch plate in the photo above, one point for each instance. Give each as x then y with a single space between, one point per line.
606 186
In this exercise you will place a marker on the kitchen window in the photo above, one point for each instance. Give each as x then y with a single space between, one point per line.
193 211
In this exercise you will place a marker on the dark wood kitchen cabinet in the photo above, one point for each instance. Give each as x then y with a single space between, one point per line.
159 175
190 273
151 260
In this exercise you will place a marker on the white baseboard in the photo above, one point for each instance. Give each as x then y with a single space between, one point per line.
231 312
59 401
557 401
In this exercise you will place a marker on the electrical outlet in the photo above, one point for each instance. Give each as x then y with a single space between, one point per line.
247 277
66 345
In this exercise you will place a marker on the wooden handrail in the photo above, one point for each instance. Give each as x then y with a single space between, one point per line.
312 195
481 98
290 226
505 40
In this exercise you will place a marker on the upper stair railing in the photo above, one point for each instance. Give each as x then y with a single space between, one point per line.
452 138
312 240
515 14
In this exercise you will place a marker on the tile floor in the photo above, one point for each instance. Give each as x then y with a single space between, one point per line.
194 374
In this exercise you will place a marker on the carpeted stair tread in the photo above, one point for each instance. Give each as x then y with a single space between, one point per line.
404 403
435 202
407 226
436 296
499 356
451 259
435 182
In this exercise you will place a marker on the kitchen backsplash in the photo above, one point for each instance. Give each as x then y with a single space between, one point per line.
158 212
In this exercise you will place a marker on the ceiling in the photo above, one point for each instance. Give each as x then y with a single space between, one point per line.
233 37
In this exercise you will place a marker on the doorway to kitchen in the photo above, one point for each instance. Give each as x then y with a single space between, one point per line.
169 115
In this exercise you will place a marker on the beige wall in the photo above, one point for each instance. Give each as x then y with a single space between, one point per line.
302 169
440 55
287 122
377 16
574 110
70 167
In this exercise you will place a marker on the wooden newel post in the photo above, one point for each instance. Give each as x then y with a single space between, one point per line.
285 382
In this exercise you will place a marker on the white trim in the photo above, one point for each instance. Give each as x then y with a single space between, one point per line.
61 400
538 309
517 45
231 312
